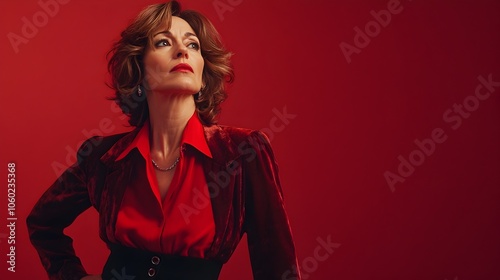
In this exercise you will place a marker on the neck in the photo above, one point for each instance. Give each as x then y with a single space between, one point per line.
168 116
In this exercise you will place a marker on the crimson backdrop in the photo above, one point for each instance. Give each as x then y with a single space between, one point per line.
390 149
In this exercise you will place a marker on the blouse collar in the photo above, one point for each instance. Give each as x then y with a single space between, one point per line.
193 135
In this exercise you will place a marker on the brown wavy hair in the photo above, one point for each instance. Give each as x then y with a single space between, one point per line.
127 69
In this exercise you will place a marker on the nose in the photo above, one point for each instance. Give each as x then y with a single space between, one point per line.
182 51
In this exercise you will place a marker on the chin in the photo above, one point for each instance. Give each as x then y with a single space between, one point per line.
179 87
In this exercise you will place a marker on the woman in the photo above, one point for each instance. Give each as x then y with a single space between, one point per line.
176 194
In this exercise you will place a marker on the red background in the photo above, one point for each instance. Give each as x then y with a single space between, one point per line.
352 122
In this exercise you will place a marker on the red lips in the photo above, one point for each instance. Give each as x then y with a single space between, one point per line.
182 67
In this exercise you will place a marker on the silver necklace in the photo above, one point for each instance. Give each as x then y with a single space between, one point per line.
168 168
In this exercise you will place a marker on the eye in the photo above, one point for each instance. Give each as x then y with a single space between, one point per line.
162 43
194 45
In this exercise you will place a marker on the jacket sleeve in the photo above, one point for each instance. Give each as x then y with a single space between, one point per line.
56 209
270 242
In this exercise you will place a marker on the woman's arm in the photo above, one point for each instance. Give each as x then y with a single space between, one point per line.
56 209
270 242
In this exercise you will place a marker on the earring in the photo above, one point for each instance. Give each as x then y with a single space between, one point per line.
139 91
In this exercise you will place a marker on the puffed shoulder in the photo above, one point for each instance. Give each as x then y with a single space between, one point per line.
229 143
95 147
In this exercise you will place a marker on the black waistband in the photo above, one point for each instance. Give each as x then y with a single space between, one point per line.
129 263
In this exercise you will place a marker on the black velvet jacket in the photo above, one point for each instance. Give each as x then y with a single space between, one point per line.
245 193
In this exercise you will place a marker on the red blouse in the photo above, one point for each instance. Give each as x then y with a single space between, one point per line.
181 224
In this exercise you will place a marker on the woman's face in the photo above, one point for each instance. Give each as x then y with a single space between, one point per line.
174 63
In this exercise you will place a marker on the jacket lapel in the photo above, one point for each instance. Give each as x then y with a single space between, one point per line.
224 190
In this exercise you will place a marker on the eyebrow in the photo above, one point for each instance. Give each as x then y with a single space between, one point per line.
187 34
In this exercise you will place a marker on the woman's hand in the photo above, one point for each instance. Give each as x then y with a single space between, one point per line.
92 277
